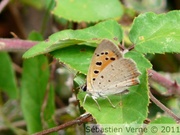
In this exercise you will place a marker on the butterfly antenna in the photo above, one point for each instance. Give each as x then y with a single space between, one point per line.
121 46
131 47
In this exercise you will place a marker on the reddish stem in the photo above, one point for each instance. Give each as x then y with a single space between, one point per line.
172 86
16 45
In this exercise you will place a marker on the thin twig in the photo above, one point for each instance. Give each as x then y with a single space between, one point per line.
83 118
44 105
164 108
17 68
53 69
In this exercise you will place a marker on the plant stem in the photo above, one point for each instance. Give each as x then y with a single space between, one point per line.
164 108
83 118
15 45
173 87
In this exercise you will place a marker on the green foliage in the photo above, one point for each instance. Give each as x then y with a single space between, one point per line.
163 125
152 33
88 10
109 29
164 120
81 53
34 83
7 76
37 96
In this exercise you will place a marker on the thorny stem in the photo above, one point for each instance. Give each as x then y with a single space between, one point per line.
164 108
173 87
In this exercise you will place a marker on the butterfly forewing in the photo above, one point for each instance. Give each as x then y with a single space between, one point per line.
105 53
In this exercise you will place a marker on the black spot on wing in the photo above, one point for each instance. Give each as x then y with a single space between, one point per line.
106 53
106 58
96 71
112 58
98 63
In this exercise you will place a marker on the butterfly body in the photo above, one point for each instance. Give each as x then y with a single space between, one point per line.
109 72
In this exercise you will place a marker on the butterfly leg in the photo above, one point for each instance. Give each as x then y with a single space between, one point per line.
110 101
85 98
94 98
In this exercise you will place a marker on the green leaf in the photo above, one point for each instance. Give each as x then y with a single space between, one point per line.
76 57
7 76
88 10
163 126
109 29
34 35
152 33
37 92
79 80
164 120
37 95
34 84
131 107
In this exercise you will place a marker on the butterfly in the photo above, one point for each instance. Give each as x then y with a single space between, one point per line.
109 72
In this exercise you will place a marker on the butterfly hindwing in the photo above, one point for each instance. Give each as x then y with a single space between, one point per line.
117 77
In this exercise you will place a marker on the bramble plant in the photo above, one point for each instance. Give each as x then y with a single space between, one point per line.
150 33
